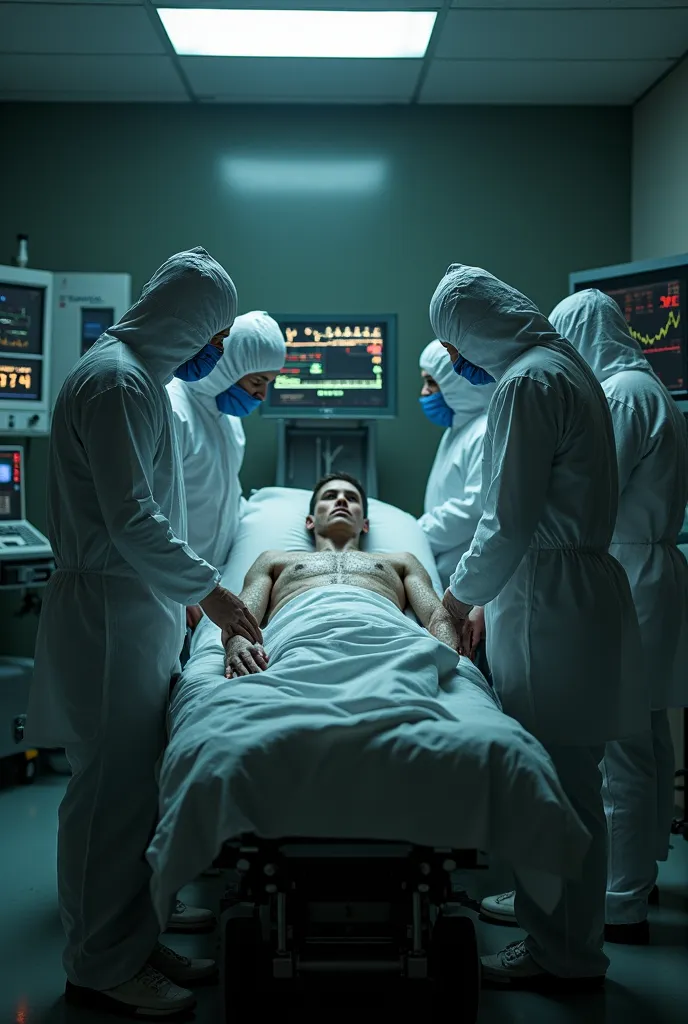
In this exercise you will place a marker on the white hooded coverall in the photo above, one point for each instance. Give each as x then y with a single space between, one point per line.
562 634
112 622
652 456
211 443
452 497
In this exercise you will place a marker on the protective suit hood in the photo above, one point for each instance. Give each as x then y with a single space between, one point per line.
188 300
255 345
596 327
490 323
465 399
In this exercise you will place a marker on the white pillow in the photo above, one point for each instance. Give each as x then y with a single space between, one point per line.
275 520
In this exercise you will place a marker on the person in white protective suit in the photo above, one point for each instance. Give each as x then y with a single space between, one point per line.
652 456
207 416
452 496
562 634
112 627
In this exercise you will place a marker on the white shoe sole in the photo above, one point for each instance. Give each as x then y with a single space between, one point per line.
495 918
191 928
94 1000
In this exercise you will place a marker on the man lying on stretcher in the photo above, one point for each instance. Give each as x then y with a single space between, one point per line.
337 518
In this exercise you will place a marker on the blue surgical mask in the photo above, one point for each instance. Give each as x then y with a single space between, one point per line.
200 365
235 401
473 374
437 410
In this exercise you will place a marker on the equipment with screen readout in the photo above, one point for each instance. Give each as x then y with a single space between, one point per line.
339 378
25 350
26 559
653 296
84 306
336 366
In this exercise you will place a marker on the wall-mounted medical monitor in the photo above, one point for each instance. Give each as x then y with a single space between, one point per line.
336 366
25 334
653 297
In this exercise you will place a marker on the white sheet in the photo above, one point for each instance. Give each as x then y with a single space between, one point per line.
364 726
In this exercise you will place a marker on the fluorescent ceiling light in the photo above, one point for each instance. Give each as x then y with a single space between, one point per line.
307 176
229 33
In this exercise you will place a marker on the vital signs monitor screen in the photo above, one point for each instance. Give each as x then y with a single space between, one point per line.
21 341
335 366
654 305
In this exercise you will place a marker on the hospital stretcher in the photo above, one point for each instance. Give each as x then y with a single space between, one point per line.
348 916
351 736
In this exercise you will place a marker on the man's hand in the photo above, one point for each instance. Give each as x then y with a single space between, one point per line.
457 609
242 658
473 631
230 613
194 614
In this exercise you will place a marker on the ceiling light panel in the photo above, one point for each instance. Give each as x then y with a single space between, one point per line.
255 33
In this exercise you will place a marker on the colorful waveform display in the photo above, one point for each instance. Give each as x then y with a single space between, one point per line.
337 364
657 320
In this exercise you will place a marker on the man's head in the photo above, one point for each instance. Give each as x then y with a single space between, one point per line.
256 384
338 509
429 385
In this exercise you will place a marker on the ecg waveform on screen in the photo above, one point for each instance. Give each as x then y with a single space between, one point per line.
673 320
655 312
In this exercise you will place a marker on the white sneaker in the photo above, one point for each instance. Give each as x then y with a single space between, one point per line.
149 995
182 970
499 908
190 919
514 963
514 967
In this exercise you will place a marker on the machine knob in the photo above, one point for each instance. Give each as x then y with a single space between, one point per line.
34 420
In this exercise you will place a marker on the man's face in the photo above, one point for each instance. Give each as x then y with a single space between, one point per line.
450 350
218 340
338 511
256 384
429 385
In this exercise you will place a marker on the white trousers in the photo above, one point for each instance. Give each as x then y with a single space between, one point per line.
568 942
639 804
106 821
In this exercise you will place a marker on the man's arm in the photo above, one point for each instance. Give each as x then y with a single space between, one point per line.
258 584
243 658
425 602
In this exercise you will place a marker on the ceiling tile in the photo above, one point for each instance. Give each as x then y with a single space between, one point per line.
91 3
130 78
564 34
80 28
540 82
284 80
557 5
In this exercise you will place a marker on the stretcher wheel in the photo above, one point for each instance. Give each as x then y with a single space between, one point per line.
455 966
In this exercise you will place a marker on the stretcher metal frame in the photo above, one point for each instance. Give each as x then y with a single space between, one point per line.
346 916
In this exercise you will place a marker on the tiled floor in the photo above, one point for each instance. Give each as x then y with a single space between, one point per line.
645 985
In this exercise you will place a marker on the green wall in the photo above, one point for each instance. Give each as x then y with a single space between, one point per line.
529 193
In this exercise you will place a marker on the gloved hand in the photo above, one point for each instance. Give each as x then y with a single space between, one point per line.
194 614
230 613
473 631
242 658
